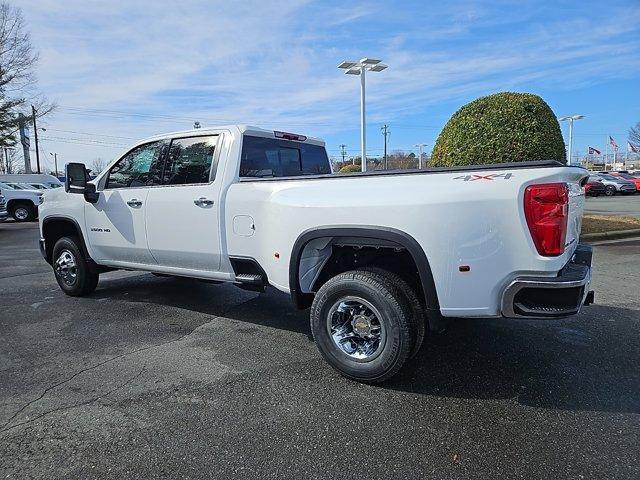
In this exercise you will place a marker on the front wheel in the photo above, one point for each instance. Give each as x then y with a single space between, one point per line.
23 212
610 191
73 274
362 326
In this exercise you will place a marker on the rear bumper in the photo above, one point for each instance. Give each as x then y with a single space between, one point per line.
551 297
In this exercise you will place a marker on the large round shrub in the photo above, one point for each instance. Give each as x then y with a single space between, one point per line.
350 169
504 127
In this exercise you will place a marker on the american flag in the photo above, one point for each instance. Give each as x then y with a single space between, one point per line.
594 151
631 148
613 143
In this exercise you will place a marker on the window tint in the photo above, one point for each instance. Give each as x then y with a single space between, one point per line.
269 157
190 160
140 167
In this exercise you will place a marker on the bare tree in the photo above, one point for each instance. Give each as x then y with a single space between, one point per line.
634 134
97 165
17 78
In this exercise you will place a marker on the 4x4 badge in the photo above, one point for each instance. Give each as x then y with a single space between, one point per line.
491 176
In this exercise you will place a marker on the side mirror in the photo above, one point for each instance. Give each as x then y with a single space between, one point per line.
76 178
76 182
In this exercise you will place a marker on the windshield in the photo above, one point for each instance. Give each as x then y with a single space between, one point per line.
609 177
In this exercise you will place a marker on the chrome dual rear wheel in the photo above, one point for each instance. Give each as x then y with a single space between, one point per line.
355 327
362 325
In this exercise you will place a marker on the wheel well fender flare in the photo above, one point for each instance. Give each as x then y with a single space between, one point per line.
383 235
59 219
18 201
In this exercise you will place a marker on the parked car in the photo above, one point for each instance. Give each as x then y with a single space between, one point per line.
22 204
31 178
594 188
613 184
377 256
3 208
629 177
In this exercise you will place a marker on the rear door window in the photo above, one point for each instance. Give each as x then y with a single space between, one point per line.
190 160
270 157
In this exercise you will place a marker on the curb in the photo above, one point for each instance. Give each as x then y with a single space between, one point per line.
614 235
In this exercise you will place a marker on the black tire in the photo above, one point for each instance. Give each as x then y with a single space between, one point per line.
77 278
418 318
23 212
609 190
394 313
595 194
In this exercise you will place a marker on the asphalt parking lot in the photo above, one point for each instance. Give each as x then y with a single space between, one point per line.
158 377
618 205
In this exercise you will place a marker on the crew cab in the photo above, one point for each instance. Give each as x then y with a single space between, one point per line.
380 257
21 203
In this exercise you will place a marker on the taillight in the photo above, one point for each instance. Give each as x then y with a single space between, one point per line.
546 210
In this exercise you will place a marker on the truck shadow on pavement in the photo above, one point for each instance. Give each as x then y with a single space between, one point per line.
589 362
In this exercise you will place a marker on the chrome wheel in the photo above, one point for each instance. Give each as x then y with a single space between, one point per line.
356 328
21 213
65 267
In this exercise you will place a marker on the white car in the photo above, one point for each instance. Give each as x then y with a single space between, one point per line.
379 257
21 204
35 180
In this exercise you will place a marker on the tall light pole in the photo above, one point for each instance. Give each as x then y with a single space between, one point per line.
570 119
359 68
55 162
420 146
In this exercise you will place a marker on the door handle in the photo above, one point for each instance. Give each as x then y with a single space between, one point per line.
134 202
203 202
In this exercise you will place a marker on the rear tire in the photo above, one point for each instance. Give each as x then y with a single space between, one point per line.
418 317
23 212
71 269
610 190
362 326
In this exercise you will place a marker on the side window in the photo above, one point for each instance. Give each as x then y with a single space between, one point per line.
141 167
190 160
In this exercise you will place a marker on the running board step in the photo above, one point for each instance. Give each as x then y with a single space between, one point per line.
250 278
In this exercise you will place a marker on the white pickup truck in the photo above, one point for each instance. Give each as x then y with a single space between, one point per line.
21 203
379 257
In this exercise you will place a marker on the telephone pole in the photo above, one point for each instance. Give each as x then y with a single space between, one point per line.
35 134
386 133
343 152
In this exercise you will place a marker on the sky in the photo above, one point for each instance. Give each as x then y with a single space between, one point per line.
122 70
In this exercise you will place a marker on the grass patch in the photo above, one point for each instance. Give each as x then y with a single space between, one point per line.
608 223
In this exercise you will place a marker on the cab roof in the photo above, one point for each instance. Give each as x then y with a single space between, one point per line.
242 129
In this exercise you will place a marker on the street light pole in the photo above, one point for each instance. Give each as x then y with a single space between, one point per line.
570 119
359 68
420 146
55 162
